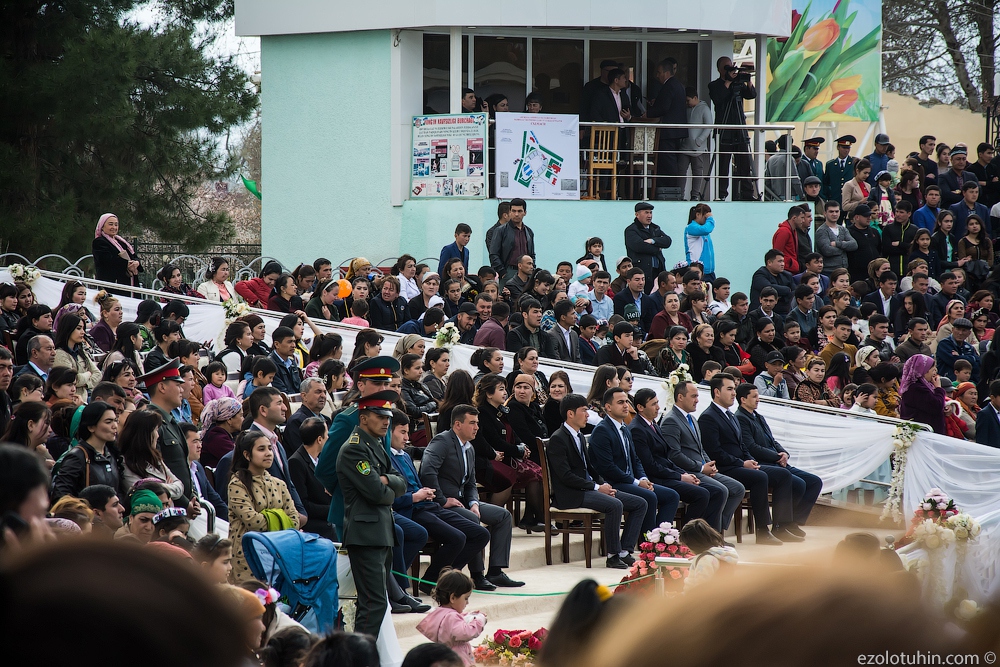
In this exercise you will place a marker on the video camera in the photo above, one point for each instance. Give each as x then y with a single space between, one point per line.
742 74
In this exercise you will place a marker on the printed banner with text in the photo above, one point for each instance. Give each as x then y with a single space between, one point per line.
537 156
449 156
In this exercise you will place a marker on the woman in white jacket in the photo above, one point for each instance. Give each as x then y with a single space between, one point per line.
217 286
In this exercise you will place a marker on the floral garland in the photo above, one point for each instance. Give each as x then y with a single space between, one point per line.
510 648
663 540
905 436
235 307
676 376
447 335
27 275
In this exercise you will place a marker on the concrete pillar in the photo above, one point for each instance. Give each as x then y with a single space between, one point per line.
455 70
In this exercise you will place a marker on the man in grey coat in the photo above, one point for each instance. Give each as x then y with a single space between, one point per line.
449 467
833 240
695 146
680 430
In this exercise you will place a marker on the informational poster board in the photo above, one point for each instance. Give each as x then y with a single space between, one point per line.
449 156
537 156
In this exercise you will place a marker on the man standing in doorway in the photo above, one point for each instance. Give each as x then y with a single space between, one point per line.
511 242
734 145
670 107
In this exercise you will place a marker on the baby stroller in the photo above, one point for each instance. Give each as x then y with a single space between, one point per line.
303 568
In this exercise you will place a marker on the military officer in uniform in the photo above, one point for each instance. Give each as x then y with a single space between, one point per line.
370 484
839 170
370 376
810 149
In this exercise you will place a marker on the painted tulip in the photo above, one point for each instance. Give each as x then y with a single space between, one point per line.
821 35
843 101
821 98
847 83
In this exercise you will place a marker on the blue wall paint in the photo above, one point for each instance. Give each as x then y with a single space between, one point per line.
325 101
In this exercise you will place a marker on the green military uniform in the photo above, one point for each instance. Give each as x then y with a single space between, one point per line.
836 177
369 532
816 166
172 444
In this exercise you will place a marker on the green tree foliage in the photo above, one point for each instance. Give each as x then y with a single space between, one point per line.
101 114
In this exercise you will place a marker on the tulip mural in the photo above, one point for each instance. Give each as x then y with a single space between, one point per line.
829 68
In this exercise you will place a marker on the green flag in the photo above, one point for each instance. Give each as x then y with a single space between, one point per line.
251 186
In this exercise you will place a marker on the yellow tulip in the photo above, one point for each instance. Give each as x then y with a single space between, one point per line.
769 76
823 97
847 83
821 36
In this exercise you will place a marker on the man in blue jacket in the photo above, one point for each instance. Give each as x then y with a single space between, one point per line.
879 158
459 249
615 459
955 347
970 206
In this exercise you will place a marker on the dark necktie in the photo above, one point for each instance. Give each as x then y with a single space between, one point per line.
583 448
628 458
736 424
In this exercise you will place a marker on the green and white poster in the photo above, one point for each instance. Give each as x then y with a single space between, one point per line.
830 67
537 156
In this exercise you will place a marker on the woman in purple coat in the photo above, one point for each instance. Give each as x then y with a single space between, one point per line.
921 398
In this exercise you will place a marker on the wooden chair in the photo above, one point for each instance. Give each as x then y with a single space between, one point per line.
430 425
590 518
603 160
738 517
429 550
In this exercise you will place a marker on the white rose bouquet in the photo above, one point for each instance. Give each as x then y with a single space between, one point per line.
447 335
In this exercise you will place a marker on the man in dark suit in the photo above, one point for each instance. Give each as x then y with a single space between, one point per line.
530 331
201 487
635 294
622 352
725 443
670 106
565 340
313 401
886 300
459 539
702 503
449 467
683 436
615 460
645 241
608 104
988 419
806 486
288 378
576 483
302 467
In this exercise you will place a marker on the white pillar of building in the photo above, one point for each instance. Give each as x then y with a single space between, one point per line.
455 70
760 105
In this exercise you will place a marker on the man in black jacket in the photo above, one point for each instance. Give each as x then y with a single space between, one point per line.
313 401
734 145
644 241
634 294
302 466
868 243
288 378
622 352
576 484
530 332
773 274
670 106
511 242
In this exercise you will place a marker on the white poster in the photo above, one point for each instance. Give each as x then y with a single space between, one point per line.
448 156
537 156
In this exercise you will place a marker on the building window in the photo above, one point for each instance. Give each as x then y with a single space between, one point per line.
437 64
557 70
501 68
686 55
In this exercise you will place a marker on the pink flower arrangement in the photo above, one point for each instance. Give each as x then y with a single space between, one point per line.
664 540
510 647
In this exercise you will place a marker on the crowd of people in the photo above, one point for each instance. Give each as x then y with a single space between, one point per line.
140 435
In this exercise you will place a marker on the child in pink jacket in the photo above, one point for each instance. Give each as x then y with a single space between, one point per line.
448 624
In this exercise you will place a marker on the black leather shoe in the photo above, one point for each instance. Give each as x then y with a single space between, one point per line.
416 606
628 560
532 527
426 589
794 529
399 607
481 583
616 563
765 537
504 581
785 535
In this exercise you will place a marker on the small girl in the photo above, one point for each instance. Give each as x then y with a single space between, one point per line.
448 624
215 555
595 251
698 245
711 551
358 311
217 373
171 525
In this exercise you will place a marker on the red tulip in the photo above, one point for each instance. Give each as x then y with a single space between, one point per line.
843 101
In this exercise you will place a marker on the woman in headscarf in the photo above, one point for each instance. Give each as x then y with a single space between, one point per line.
921 396
220 422
967 397
115 260
359 268
864 361
954 310
409 344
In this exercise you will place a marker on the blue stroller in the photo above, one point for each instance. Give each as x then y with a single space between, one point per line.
303 568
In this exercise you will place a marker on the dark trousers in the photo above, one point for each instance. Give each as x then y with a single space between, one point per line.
499 522
613 509
739 155
410 539
733 491
703 502
370 565
458 538
668 165
757 482
661 503
806 488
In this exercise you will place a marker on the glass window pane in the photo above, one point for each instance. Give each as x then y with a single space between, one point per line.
686 55
437 59
557 68
501 67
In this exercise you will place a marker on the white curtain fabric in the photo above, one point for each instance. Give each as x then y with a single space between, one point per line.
840 449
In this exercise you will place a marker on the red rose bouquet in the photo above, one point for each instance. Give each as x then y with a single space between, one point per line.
510 648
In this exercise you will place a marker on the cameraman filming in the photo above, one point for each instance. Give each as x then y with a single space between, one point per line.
727 93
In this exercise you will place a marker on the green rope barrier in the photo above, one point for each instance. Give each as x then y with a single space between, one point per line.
520 595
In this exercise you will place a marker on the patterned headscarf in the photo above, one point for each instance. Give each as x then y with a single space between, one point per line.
116 241
861 358
914 370
217 411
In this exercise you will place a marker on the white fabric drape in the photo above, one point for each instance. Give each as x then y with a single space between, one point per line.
840 449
